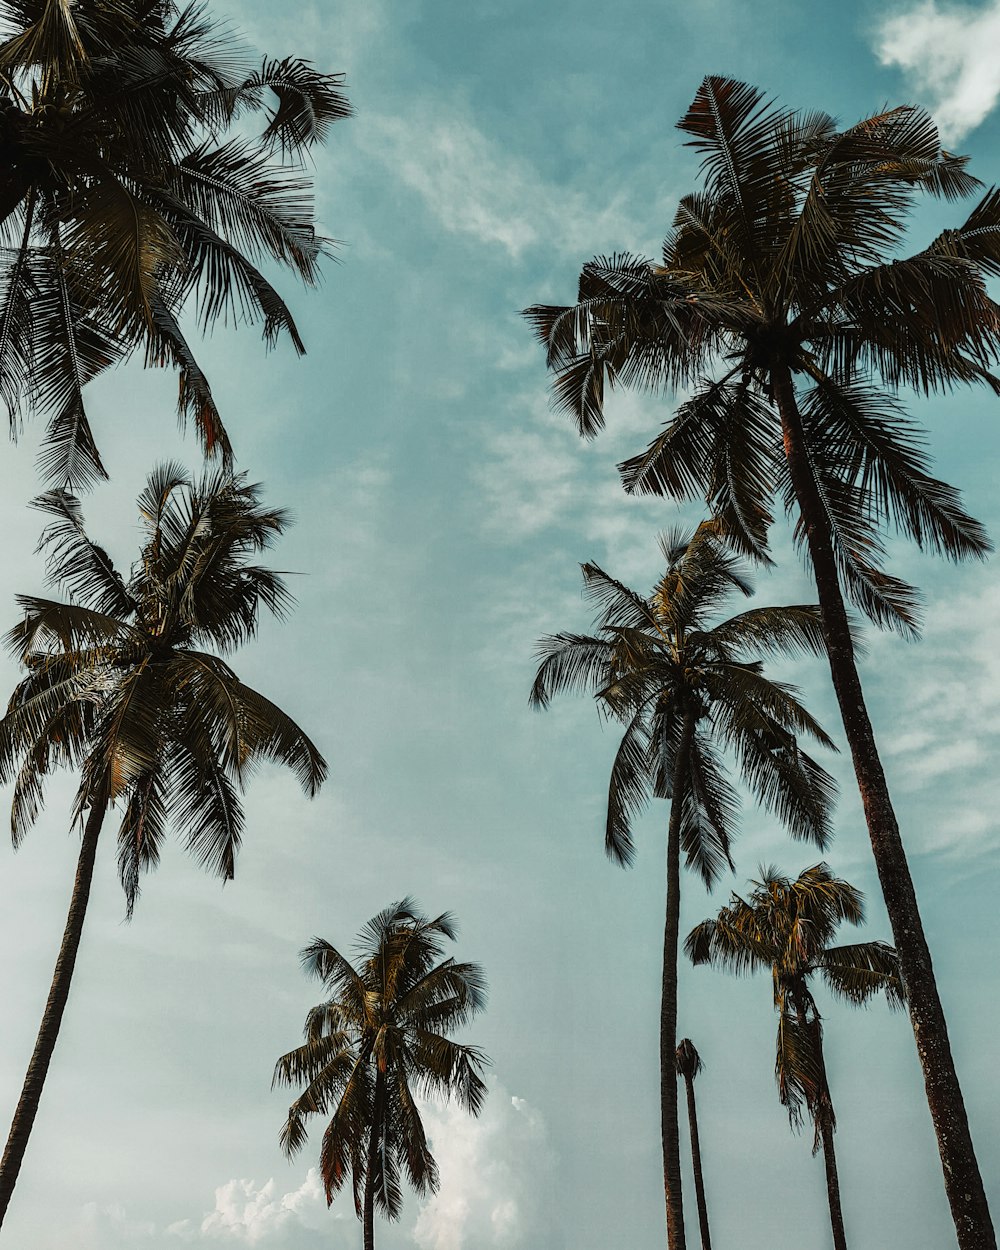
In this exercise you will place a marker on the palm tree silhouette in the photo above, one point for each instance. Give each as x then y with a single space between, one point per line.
783 307
788 927
126 682
382 1034
131 180
687 691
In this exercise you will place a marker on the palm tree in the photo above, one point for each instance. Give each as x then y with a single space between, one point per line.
686 691
119 686
781 305
689 1064
381 1036
130 181
788 926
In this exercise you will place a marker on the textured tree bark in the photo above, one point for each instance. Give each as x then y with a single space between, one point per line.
832 1184
669 1127
373 1148
34 1081
699 1180
963 1182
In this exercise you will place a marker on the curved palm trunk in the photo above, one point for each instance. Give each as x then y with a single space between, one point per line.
962 1178
832 1183
669 1126
699 1180
34 1081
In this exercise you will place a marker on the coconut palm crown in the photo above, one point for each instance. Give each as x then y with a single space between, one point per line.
134 176
788 927
379 1040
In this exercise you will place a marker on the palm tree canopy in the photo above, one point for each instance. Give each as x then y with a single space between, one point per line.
653 661
787 262
689 1062
788 926
134 178
381 1039
126 680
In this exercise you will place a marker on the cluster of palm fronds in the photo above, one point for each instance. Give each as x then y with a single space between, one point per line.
151 170
782 308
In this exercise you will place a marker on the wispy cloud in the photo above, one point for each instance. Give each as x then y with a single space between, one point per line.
948 56
476 186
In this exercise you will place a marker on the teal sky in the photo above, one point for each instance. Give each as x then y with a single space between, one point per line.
442 513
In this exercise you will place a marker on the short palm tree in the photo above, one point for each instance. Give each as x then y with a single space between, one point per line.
126 682
689 1065
380 1039
687 691
789 926
130 181
782 307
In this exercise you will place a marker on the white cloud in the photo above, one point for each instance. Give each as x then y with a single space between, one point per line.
948 56
493 1176
259 1215
476 186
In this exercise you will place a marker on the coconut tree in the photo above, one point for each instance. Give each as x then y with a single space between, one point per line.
127 683
788 927
688 690
689 1064
134 177
782 309
380 1039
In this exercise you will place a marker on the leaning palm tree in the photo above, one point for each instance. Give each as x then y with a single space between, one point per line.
782 308
686 691
381 1037
689 1064
126 682
133 177
788 927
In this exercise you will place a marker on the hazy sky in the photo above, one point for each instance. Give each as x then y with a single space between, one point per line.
442 514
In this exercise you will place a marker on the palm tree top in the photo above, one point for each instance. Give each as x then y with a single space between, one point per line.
654 661
382 1036
148 160
127 681
689 1062
786 264
788 925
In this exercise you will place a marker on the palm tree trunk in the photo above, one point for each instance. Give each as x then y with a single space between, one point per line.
699 1180
669 1126
34 1081
374 1141
963 1182
832 1183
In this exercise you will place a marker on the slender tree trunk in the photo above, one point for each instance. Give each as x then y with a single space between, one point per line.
669 1126
962 1178
832 1183
34 1081
374 1141
699 1180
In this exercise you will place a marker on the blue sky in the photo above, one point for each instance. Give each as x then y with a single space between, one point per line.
442 514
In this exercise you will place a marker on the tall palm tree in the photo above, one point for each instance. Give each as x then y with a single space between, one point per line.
131 179
782 306
126 682
382 1036
689 1064
788 927
686 691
